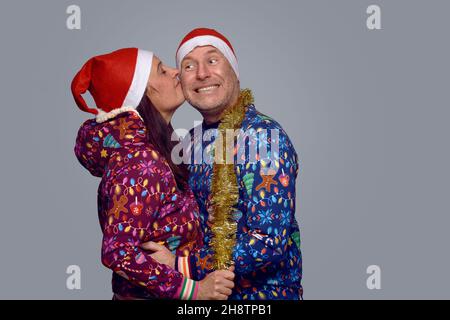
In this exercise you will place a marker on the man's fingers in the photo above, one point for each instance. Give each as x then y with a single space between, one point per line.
157 258
152 246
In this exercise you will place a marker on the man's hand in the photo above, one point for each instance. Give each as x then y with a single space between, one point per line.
161 253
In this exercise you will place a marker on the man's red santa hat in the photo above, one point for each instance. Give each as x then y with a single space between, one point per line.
207 37
117 82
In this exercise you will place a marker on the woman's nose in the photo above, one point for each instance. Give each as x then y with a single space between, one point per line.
175 72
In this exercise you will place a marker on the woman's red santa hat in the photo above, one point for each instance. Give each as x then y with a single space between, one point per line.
117 82
207 37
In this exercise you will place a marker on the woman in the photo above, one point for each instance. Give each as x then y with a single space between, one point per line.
142 195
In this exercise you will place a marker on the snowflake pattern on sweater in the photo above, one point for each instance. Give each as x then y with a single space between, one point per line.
267 255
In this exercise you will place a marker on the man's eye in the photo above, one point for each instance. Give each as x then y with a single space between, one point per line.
212 60
189 67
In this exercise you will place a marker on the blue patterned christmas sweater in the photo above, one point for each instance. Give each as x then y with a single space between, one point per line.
267 255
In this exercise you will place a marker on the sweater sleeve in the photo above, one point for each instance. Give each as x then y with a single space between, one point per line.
197 264
130 206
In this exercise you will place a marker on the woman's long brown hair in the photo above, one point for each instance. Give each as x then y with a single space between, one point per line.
159 135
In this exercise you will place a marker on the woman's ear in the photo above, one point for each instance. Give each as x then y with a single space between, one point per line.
147 91
150 91
148 86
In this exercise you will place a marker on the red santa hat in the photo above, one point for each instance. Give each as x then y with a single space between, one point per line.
207 37
117 82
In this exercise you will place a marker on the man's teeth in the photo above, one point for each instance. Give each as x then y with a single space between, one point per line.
207 88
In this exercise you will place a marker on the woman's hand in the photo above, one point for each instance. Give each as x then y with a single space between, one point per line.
161 253
217 285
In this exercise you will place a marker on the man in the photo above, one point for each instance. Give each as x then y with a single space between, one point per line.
266 253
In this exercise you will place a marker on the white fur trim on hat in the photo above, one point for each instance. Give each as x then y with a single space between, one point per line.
140 78
218 43
103 116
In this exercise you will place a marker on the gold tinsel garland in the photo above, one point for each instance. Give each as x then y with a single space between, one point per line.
224 187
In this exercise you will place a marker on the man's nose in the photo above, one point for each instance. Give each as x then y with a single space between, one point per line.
202 71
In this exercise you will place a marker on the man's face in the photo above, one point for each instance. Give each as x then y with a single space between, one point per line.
208 80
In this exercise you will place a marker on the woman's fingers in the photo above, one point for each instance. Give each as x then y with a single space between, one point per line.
228 284
224 286
225 291
222 297
227 274
225 282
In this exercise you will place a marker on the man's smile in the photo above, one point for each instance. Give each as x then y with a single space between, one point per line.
207 89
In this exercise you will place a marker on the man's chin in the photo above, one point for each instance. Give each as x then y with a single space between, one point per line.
205 105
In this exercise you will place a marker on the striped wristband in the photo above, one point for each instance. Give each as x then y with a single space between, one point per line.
188 290
182 264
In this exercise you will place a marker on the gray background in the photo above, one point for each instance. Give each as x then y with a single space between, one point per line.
366 111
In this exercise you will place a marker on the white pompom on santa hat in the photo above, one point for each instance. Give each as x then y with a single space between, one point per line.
207 37
117 82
